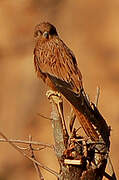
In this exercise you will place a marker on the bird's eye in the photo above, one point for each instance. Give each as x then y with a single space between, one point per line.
46 34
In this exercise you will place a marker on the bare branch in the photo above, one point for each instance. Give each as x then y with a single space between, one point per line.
97 96
27 142
23 148
38 171
28 157
59 135
44 116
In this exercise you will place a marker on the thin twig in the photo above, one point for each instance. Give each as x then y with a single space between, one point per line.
97 96
38 149
27 142
23 148
44 117
38 171
30 158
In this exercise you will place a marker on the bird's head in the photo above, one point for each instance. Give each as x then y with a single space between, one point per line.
44 31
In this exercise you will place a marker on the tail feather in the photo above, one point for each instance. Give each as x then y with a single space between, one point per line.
87 126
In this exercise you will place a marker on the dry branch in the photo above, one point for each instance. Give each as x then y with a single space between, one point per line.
28 157
38 171
44 145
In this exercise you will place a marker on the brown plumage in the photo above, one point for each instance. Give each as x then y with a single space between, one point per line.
52 56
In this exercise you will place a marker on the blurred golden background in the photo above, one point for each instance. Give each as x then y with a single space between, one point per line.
91 29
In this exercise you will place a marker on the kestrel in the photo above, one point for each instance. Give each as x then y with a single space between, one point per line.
52 56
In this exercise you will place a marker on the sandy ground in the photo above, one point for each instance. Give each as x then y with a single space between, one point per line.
90 28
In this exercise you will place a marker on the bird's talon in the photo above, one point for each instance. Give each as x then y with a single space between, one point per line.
50 93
